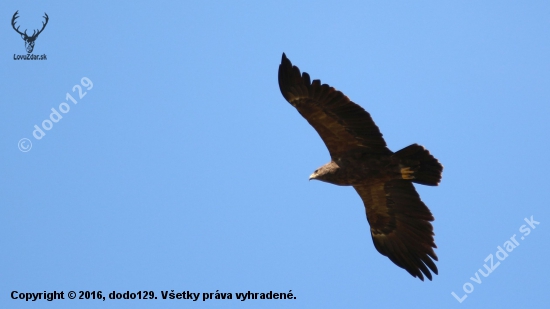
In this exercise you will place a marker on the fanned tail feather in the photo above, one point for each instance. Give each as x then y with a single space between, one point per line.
418 165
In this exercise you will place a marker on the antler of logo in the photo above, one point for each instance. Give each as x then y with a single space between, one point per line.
29 40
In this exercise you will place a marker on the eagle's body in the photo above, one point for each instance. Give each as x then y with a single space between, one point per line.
399 220
349 171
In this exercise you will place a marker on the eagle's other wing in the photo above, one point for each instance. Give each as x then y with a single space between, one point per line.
343 125
400 225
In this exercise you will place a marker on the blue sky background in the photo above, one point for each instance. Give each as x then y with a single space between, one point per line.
183 168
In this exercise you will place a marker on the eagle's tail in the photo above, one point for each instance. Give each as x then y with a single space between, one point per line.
417 164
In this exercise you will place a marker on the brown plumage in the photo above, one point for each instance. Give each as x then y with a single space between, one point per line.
399 221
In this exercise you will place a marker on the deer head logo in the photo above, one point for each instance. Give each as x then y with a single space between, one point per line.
29 40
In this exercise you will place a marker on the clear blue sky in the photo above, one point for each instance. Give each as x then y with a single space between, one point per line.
184 169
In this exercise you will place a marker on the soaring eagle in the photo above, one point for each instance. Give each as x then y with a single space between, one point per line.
399 221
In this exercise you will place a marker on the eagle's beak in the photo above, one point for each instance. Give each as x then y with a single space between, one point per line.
312 176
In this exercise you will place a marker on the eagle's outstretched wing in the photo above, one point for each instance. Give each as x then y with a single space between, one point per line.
400 225
343 125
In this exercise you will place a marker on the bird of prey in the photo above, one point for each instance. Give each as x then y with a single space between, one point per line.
399 221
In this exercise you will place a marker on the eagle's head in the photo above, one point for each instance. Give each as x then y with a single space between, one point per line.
327 173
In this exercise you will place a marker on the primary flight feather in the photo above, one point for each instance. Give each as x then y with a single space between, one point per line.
399 221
